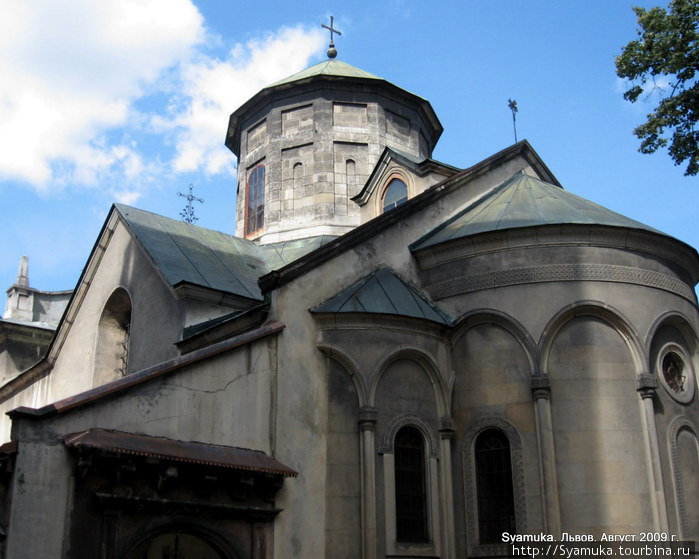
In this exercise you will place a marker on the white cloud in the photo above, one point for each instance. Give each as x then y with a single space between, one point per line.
70 74
212 89
653 90
74 73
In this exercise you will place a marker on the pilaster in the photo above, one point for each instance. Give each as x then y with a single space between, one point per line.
541 391
367 425
646 386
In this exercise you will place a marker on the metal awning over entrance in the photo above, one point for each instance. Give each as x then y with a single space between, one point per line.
178 451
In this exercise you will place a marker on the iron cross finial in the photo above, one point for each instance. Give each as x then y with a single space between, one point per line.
187 214
332 51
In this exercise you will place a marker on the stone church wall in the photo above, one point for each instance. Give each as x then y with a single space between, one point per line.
224 400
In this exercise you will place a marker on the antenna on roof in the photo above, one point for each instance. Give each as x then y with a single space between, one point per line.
187 214
332 51
512 104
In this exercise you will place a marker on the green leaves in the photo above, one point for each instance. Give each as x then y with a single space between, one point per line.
664 62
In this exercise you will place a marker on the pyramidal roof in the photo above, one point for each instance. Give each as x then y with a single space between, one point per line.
524 201
328 68
382 292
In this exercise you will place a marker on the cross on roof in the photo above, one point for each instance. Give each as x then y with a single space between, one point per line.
332 53
187 214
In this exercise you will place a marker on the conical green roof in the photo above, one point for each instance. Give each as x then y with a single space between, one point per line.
328 68
524 201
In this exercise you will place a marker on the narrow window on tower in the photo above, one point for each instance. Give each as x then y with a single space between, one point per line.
411 494
395 195
496 505
255 205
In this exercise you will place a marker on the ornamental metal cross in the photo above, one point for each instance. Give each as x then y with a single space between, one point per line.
332 30
187 214
332 51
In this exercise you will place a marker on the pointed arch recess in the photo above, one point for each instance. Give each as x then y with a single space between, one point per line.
428 364
350 366
606 313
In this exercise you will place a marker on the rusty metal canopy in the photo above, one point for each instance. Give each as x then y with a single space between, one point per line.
178 451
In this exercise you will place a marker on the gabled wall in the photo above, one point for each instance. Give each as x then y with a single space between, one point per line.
156 324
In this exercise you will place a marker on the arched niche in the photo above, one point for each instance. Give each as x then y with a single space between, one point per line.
592 365
112 346
673 357
179 542
343 501
684 453
492 369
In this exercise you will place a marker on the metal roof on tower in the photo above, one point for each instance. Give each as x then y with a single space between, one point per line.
336 74
335 68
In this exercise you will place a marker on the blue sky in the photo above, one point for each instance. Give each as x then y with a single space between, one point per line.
129 100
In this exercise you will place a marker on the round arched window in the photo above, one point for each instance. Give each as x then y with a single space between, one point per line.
395 195
674 368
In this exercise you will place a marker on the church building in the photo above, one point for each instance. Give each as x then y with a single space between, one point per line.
392 358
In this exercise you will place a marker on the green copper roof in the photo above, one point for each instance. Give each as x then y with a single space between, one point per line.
382 292
187 253
524 201
328 68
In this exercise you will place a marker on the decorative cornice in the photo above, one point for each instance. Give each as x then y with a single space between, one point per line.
560 272
562 235
541 387
367 418
645 383
385 322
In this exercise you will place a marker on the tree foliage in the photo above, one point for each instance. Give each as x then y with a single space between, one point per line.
664 60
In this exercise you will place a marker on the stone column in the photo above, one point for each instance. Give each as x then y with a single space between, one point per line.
446 487
646 385
367 424
541 391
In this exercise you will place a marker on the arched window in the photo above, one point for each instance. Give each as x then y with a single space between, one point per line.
351 174
298 177
496 505
175 545
411 494
255 206
395 195
113 331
